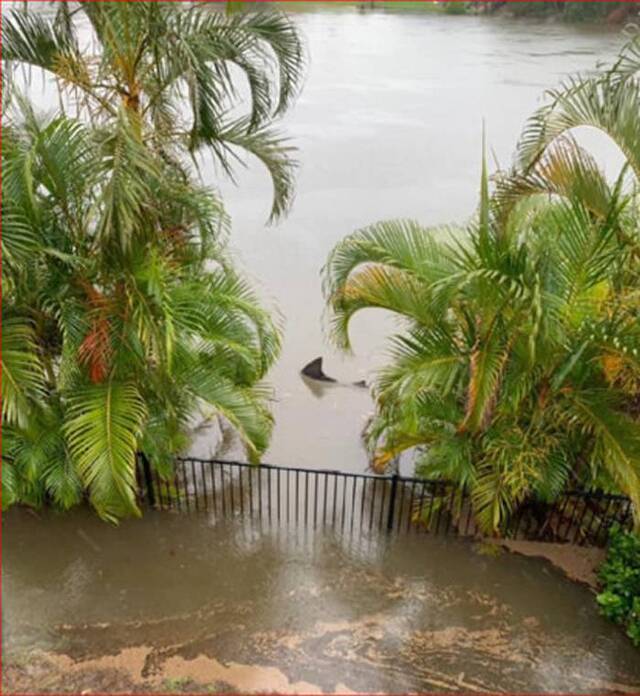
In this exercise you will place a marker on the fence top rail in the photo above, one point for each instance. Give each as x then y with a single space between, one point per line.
436 483
302 470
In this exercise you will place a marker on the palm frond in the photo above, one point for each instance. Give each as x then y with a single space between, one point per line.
266 145
617 437
103 425
586 102
566 170
128 167
403 244
32 39
276 31
22 375
19 239
245 408
424 360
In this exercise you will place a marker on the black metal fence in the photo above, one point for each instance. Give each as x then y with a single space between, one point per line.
357 503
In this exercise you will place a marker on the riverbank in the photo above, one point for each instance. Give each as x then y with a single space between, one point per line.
597 13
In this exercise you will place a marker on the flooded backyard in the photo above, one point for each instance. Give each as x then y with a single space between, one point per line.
389 124
173 600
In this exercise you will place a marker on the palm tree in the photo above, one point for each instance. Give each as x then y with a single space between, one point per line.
170 69
551 164
122 312
606 101
519 366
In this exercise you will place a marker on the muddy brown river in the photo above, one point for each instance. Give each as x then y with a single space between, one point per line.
388 124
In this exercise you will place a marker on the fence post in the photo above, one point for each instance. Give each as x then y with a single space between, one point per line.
148 480
392 500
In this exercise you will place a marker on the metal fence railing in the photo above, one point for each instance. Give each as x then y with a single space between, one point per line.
357 503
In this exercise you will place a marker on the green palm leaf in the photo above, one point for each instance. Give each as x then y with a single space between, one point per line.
103 425
244 408
608 105
617 437
22 375
565 170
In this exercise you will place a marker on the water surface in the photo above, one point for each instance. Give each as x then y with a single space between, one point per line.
269 608
389 124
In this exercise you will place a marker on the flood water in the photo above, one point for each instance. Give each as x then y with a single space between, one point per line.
389 124
273 609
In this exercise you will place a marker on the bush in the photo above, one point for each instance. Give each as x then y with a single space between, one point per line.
570 11
455 7
620 578
532 9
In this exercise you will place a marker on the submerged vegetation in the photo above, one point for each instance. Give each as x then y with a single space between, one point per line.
122 312
518 372
573 11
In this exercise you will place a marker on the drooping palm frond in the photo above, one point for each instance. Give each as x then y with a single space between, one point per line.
565 170
382 287
19 238
22 375
38 156
493 498
617 437
102 428
206 42
129 169
227 292
33 39
403 244
586 102
270 148
61 146
395 265
487 363
244 408
278 33
423 361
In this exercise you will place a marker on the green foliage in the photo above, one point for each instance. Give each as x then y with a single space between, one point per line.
123 317
570 11
620 579
455 7
102 427
136 70
517 373
22 378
